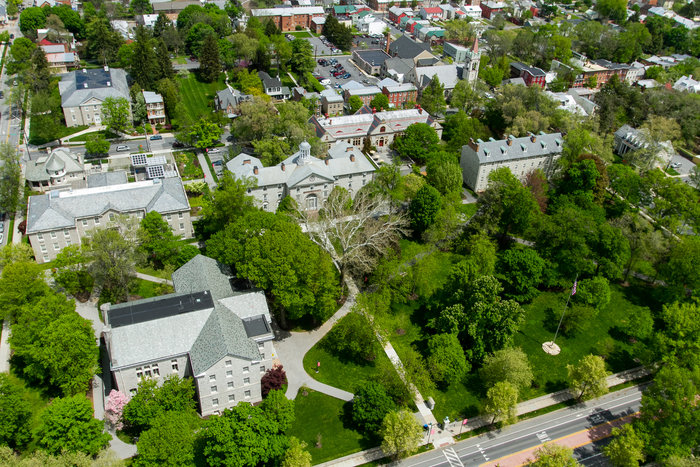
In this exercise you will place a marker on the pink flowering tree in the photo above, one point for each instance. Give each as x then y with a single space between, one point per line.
115 406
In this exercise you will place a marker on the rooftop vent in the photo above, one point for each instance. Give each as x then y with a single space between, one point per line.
85 85
109 84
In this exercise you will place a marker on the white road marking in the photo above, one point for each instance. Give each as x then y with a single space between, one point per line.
452 457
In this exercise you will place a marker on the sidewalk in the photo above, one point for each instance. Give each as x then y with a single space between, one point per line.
5 347
208 177
158 280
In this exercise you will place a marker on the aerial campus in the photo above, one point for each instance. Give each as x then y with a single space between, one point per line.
349 232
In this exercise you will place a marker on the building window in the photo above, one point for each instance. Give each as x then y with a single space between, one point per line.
139 373
228 362
229 385
66 234
53 234
262 368
246 369
182 226
179 215
147 371
56 247
84 222
40 236
97 221
231 398
168 217
212 377
43 248
213 389
174 366
156 371
312 202
261 345
229 374
262 356
111 217
247 394
246 380
215 402
46 257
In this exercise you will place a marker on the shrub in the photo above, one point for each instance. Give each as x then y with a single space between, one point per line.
274 379
352 338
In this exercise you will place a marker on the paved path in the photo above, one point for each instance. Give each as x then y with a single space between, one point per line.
5 347
293 347
158 280
208 177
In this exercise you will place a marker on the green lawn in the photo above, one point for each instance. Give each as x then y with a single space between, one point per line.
188 165
299 34
198 96
468 209
672 171
344 374
147 289
320 423
105 133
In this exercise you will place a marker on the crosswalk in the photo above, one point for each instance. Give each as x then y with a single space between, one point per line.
452 457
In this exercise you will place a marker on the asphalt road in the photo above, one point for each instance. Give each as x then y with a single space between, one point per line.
536 431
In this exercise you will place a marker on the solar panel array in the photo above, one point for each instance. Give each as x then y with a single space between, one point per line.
138 160
155 171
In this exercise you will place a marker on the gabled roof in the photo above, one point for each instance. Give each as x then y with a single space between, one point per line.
78 87
405 47
204 273
59 159
494 151
447 74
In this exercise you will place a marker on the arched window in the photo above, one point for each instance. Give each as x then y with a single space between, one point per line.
311 202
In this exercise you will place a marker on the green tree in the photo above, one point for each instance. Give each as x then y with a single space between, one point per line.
116 113
14 252
22 282
615 10
163 62
210 59
194 40
355 103
243 435
141 7
554 455
401 434
151 402
70 270
143 60
352 338
506 205
424 208
459 128
594 292
433 97
96 145
680 339
501 402
521 271
157 240
67 425
112 260
379 102
30 20
15 414
40 74
228 202
103 41
444 173
509 364
296 455
21 52
626 449
446 360
205 133
681 268
10 173
169 441
587 379
370 406
302 60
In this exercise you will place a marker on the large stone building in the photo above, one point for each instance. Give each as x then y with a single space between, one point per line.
206 330
61 218
520 155
287 18
305 178
84 91
380 127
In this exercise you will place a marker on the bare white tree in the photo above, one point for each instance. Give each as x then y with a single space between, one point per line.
355 232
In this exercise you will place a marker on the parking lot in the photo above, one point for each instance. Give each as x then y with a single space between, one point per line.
681 165
355 73
216 156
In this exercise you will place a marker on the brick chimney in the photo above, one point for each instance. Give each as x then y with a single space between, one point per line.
374 110
510 139
388 41
474 145
282 166
533 138
255 170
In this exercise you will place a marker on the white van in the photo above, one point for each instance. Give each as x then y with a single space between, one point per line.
122 148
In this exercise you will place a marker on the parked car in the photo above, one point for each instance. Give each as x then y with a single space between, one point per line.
2 227
156 137
217 163
213 150
2 94
178 144
675 165
2 236
322 62
346 76
122 147
325 81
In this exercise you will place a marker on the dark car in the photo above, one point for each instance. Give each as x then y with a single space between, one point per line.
346 76
156 137
178 144
2 94
12 36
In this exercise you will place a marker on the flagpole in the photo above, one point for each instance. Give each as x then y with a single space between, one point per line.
573 291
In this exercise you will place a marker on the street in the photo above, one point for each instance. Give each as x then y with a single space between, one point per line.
499 445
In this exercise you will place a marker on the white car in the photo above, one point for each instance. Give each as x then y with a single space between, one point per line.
325 81
214 150
675 165
122 148
2 237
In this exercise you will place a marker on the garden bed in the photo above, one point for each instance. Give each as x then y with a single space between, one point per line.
188 165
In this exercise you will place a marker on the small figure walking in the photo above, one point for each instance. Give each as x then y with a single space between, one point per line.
318 366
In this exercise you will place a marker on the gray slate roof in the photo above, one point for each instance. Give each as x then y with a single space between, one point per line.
222 335
405 47
61 209
204 273
521 148
80 86
232 97
118 177
447 74
59 159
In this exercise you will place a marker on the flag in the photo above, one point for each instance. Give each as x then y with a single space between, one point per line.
464 422
573 289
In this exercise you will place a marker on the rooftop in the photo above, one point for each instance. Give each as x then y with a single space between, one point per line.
140 311
376 57
493 151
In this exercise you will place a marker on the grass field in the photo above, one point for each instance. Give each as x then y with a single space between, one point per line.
198 96
468 209
320 423
342 373
163 274
147 289
106 134
299 34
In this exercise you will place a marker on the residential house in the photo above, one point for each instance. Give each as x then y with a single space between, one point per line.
229 100
413 23
60 60
472 11
628 139
84 91
448 11
398 94
365 93
287 18
431 13
331 103
147 21
172 8
155 107
380 127
635 72
520 155
458 53
396 13
273 87
405 47
60 168
299 93
370 61
489 9
305 178
530 74
380 5
687 84
343 10
206 330
430 34
370 24
61 218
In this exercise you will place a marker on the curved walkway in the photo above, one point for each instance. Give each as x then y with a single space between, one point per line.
292 348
